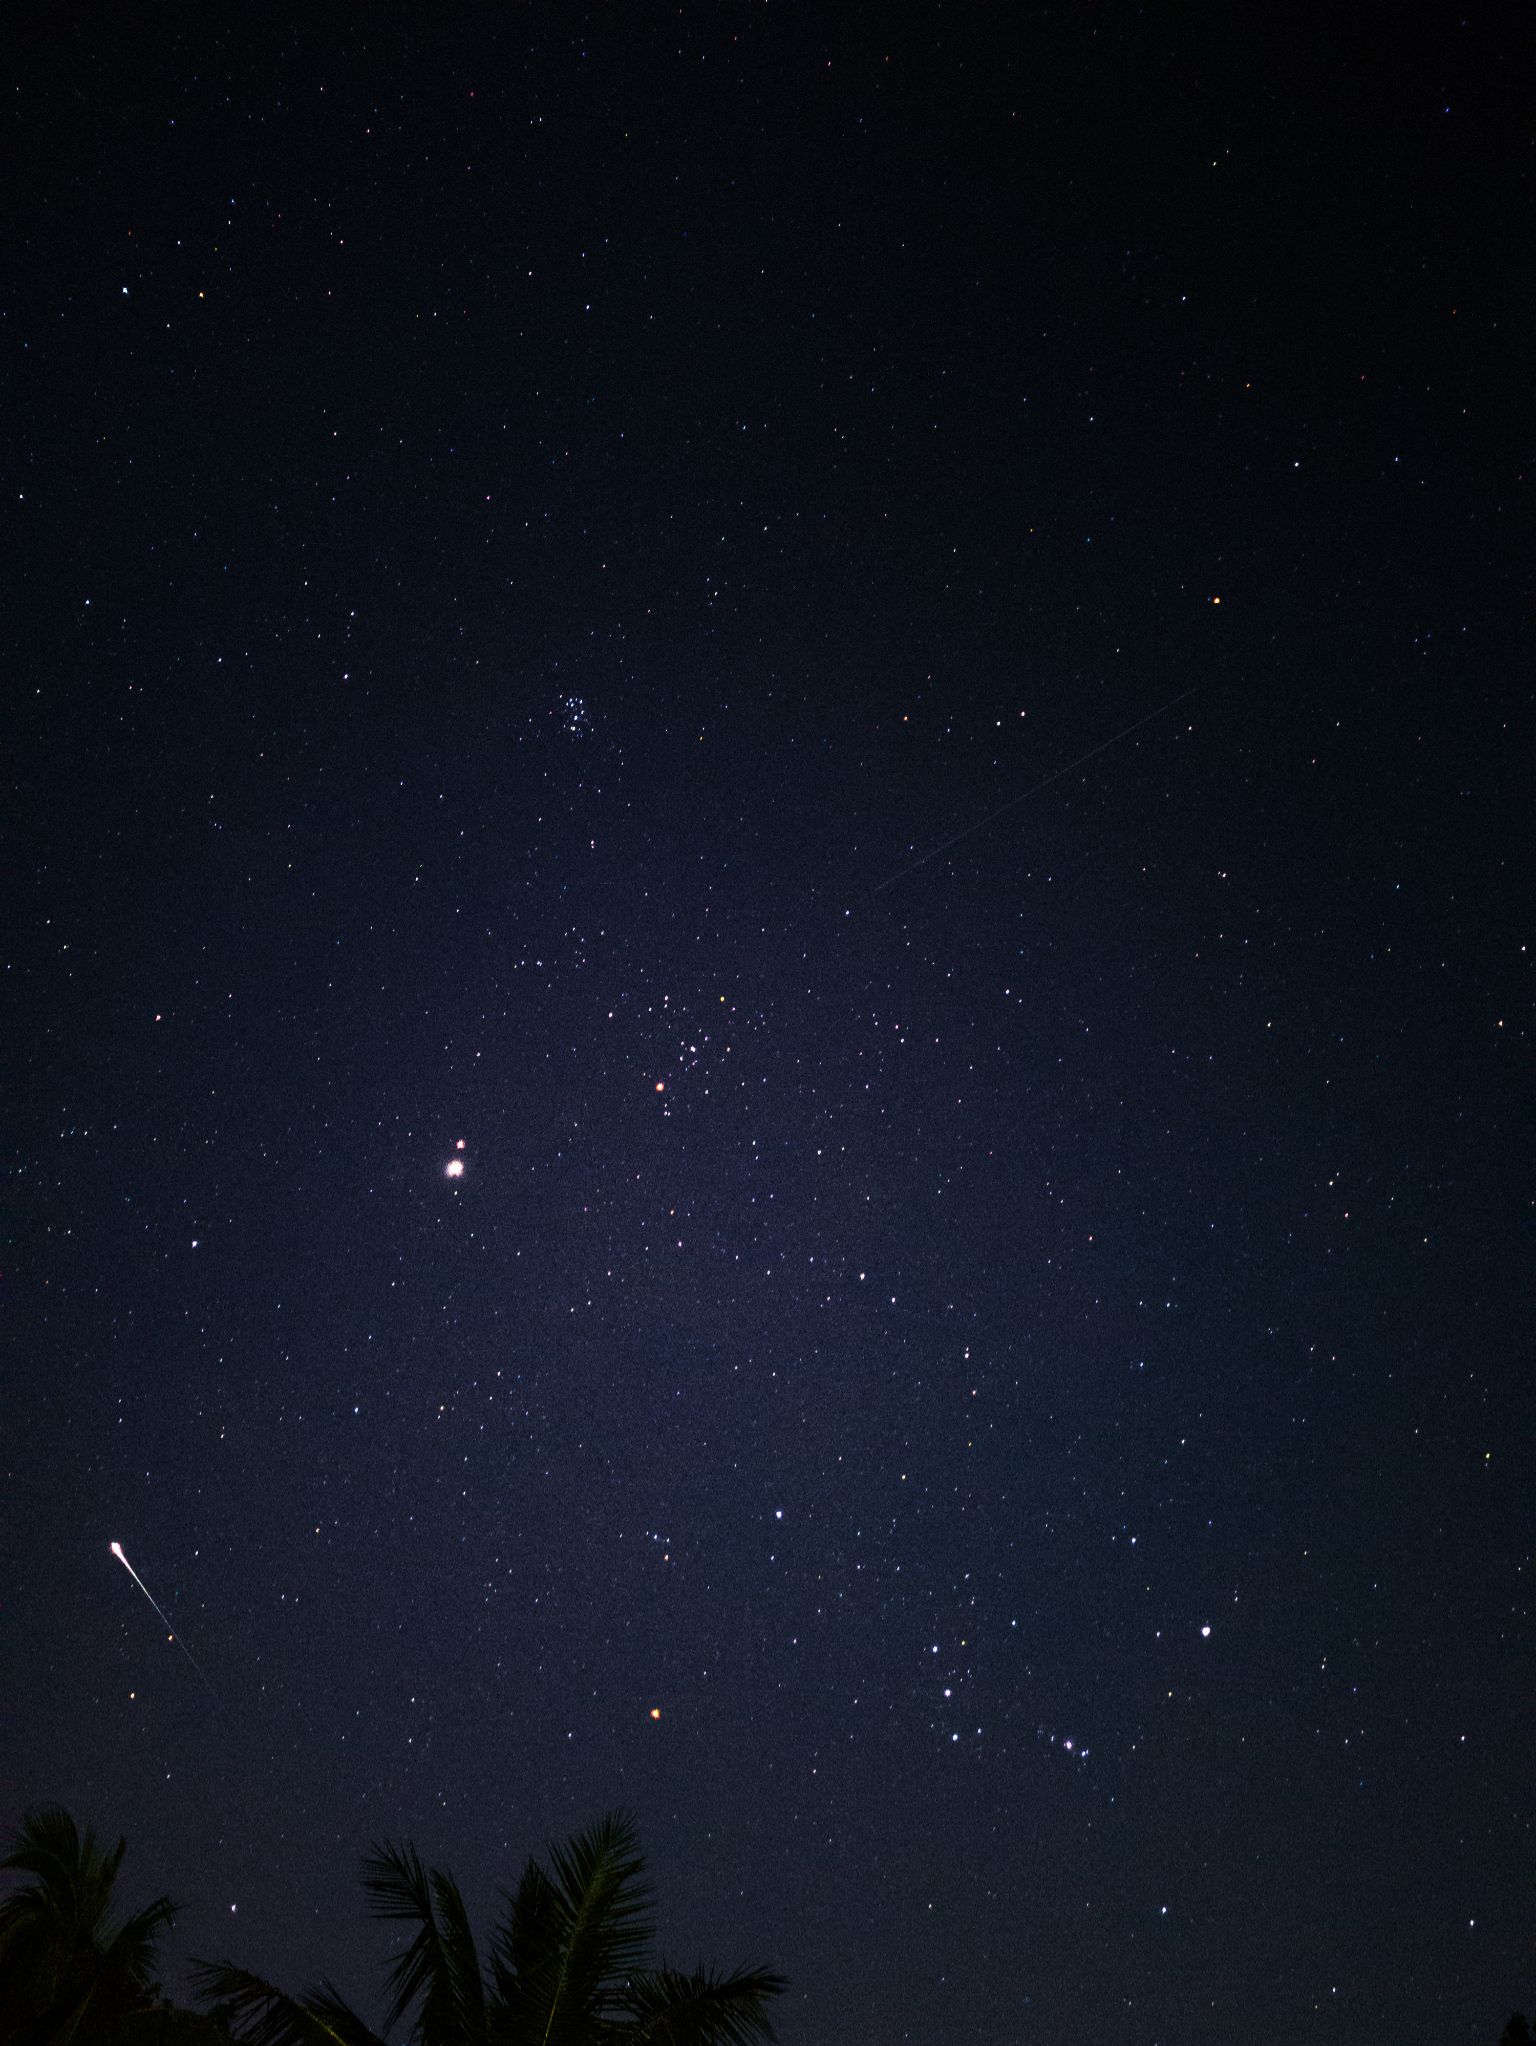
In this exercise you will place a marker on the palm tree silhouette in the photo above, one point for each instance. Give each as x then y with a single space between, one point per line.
69 1974
567 1965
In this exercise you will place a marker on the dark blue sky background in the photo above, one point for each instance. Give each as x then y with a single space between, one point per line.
524 534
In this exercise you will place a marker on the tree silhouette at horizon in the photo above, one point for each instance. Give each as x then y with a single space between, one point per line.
70 1972
568 1965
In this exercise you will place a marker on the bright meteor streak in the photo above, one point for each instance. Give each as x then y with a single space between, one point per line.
117 1550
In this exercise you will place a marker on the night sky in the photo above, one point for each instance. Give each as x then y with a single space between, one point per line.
881 674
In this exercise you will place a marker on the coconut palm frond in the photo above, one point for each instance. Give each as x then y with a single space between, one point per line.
667 2008
567 1965
461 1957
400 1891
600 1878
63 1965
257 2014
72 1877
440 1969
46 1838
526 1950
130 1952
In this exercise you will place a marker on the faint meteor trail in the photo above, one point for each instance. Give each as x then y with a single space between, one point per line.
117 1550
1034 789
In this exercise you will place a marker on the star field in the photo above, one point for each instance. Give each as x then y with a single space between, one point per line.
769 955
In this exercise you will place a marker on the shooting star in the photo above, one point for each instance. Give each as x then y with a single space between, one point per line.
117 1550
1024 795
